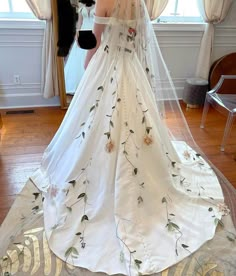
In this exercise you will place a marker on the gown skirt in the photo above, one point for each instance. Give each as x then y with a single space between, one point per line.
119 195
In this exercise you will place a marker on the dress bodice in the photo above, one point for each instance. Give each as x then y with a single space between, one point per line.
123 32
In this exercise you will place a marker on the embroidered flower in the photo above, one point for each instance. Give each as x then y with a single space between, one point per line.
53 191
148 140
132 32
110 146
223 209
186 154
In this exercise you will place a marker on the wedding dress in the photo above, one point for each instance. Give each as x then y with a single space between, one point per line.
74 66
124 189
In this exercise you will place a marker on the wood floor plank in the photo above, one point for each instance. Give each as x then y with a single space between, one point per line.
25 137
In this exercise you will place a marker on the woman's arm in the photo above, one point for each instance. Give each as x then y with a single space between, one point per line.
100 10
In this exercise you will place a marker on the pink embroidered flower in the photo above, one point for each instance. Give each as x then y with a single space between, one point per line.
110 146
186 154
223 209
53 191
148 140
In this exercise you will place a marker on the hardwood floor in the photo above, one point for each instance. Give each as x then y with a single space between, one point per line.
25 137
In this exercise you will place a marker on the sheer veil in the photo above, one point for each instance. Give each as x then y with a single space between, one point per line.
143 42
128 35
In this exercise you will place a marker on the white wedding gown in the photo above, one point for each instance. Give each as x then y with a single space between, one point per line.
119 195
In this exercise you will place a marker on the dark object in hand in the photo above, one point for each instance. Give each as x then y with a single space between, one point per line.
87 3
87 39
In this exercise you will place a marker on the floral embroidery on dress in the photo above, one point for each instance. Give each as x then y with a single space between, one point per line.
53 191
148 139
223 209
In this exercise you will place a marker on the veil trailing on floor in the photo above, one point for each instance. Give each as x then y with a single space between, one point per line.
128 35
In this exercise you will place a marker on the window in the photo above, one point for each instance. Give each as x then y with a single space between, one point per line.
181 11
13 9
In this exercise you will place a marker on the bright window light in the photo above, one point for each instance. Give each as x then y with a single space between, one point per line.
181 11
15 9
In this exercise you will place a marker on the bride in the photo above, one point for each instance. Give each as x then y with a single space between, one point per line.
125 189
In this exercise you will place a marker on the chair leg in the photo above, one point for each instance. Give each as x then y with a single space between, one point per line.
205 111
227 130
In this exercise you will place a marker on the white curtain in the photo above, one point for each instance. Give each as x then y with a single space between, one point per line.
213 12
49 80
156 7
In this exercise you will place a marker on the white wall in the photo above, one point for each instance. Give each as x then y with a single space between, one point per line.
21 44
20 54
180 45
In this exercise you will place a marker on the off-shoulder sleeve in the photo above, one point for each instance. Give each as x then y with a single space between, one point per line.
101 20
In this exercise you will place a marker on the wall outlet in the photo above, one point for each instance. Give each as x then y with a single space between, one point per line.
16 79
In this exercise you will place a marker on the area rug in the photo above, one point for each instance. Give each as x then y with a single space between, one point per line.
24 249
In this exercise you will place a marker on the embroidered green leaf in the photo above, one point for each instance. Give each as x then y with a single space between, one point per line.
55 226
173 164
114 93
36 195
83 134
231 239
111 80
131 131
122 256
135 171
113 107
84 217
125 152
111 123
70 251
82 124
92 108
148 129
141 185
36 208
72 182
173 215
184 246
218 221
108 134
174 175
172 226
78 234
143 120
140 200
164 200
81 195
137 263
147 70
69 209
119 100
101 88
